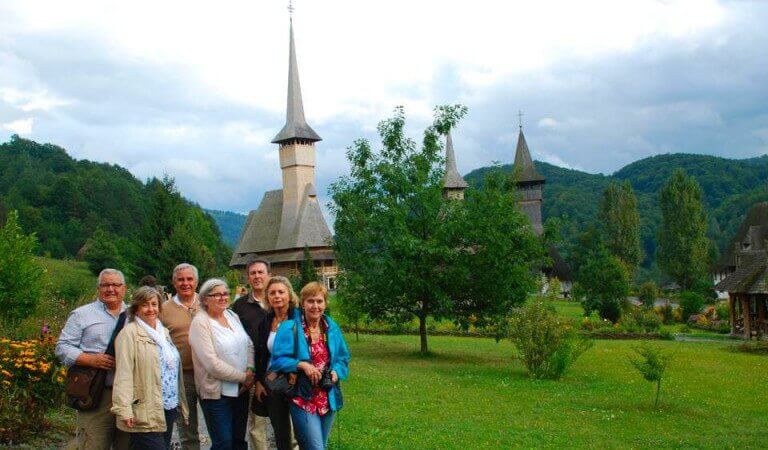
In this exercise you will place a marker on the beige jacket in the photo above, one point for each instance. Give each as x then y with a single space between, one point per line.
137 391
209 369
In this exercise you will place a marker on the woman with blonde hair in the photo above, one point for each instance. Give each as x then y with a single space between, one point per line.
318 352
282 303
148 390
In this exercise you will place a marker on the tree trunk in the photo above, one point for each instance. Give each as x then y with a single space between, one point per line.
658 390
423 333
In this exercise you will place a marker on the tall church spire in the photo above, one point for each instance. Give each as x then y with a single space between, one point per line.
296 127
527 173
453 183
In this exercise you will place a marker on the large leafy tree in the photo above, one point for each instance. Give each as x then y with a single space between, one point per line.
604 282
22 277
497 256
602 279
683 252
620 223
410 253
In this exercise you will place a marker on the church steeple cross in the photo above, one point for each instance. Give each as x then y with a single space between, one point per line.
520 118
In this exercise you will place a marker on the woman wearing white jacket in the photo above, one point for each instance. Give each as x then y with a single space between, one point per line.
222 354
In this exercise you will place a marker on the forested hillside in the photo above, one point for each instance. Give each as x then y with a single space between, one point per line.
730 188
230 224
101 213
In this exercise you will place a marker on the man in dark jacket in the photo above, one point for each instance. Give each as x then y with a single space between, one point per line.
251 308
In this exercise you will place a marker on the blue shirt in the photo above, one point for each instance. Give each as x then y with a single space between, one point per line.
87 330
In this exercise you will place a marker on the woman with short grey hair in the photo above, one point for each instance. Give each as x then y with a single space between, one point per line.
222 354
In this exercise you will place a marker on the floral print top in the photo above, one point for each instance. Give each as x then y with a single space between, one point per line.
169 378
320 356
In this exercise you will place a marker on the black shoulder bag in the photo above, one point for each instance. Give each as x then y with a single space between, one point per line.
284 383
84 384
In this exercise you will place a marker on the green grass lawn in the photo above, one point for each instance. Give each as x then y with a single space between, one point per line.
571 309
470 394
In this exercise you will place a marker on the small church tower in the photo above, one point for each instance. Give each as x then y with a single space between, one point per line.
290 220
529 184
453 184
297 156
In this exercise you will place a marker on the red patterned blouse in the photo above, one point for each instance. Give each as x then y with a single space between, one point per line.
318 353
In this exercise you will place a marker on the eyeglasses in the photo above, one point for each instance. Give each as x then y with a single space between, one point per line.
110 285
219 296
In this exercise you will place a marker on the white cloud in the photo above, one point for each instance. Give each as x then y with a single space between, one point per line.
543 155
20 126
571 123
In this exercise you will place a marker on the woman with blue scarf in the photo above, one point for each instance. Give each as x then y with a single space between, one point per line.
321 359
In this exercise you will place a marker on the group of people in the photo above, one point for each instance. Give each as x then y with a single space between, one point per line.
195 348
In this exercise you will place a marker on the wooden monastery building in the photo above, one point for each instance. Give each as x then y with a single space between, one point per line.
288 220
742 273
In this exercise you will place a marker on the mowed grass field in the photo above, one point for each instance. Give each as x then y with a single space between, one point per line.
470 394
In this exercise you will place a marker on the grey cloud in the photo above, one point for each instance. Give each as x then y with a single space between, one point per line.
706 96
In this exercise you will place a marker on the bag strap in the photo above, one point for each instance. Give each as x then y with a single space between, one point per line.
120 323
295 340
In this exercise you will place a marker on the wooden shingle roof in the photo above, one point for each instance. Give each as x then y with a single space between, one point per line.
750 274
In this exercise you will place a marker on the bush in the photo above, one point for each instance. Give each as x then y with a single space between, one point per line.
546 343
647 293
641 320
32 383
691 303
22 279
668 313
723 311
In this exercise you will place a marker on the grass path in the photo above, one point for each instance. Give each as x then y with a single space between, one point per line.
470 395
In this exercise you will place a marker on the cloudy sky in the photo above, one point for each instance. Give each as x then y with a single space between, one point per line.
197 89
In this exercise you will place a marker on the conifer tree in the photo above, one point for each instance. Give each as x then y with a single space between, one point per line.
308 273
620 222
683 248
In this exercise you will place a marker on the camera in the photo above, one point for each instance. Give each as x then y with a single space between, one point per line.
326 380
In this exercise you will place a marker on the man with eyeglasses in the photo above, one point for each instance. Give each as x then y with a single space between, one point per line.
83 341
176 315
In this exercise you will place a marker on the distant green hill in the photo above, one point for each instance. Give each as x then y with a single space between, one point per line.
74 206
730 188
230 224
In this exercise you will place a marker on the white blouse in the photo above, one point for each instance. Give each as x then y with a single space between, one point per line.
231 347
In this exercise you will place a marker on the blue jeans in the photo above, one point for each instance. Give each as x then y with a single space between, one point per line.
226 420
311 430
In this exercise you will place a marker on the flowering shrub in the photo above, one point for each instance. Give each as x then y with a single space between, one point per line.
592 324
546 344
31 379
641 320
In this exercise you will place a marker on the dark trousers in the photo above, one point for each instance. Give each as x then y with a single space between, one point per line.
280 416
226 420
157 440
